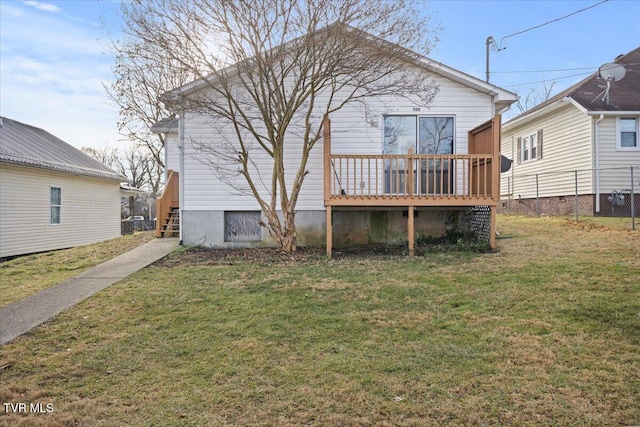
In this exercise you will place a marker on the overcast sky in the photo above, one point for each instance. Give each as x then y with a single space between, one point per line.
54 58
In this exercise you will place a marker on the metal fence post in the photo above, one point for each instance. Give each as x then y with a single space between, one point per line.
633 203
537 197
509 195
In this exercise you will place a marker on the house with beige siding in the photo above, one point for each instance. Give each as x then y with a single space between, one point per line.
580 148
391 172
52 196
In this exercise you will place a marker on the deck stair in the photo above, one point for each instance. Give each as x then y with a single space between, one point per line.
171 227
168 208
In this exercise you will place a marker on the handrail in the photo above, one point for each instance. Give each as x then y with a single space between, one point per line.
170 199
435 176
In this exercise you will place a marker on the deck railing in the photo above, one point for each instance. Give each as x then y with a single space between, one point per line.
426 179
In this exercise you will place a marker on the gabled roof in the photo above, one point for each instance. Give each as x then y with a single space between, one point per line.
588 94
26 145
502 97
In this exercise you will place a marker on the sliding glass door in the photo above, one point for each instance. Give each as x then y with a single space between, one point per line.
425 135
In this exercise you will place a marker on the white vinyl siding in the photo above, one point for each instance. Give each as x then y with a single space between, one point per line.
614 163
89 210
566 133
171 153
353 131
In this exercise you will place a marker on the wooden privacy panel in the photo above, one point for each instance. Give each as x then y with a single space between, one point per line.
484 178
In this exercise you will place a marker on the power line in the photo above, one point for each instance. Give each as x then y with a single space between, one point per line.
555 20
543 81
561 69
542 71
491 42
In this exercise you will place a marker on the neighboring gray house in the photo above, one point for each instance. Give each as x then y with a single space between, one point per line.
587 137
52 196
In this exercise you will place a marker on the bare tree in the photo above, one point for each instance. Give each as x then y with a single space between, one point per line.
142 73
106 155
269 71
136 163
534 96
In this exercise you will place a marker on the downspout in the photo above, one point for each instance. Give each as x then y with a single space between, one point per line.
181 172
596 148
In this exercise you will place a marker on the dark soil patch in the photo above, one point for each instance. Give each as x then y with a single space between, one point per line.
270 256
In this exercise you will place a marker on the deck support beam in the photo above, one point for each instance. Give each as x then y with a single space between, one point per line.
329 233
411 229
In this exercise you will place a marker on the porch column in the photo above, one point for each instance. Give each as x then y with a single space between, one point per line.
329 232
492 228
410 230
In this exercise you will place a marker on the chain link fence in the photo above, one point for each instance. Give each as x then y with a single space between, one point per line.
606 195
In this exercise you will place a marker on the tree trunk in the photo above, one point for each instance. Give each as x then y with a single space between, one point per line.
290 233
284 233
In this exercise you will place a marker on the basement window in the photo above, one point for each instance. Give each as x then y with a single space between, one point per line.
242 226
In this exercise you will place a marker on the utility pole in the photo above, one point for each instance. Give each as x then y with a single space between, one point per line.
489 41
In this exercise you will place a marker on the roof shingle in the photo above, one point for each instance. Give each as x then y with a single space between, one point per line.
624 94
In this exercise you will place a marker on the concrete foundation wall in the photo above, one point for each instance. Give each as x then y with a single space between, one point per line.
206 228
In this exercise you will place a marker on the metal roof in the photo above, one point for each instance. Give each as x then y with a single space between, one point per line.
22 144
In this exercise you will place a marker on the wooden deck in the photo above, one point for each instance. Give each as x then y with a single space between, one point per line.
410 181
418 180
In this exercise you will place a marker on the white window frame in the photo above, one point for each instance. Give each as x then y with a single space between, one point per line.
55 206
529 148
619 146
533 147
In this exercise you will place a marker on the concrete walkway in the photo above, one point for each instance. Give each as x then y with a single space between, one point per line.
22 316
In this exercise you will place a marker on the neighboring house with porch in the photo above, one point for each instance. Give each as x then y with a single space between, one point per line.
52 196
403 173
578 148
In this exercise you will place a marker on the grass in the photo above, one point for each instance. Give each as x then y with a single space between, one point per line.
614 222
545 331
26 275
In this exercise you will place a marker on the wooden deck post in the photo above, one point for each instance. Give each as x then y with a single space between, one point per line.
326 136
409 173
329 232
410 230
495 162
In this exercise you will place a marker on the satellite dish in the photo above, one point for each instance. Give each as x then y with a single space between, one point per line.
612 72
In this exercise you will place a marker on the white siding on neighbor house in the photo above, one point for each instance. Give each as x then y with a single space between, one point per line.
353 131
567 146
614 164
90 210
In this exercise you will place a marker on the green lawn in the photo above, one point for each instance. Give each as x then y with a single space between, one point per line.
545 331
